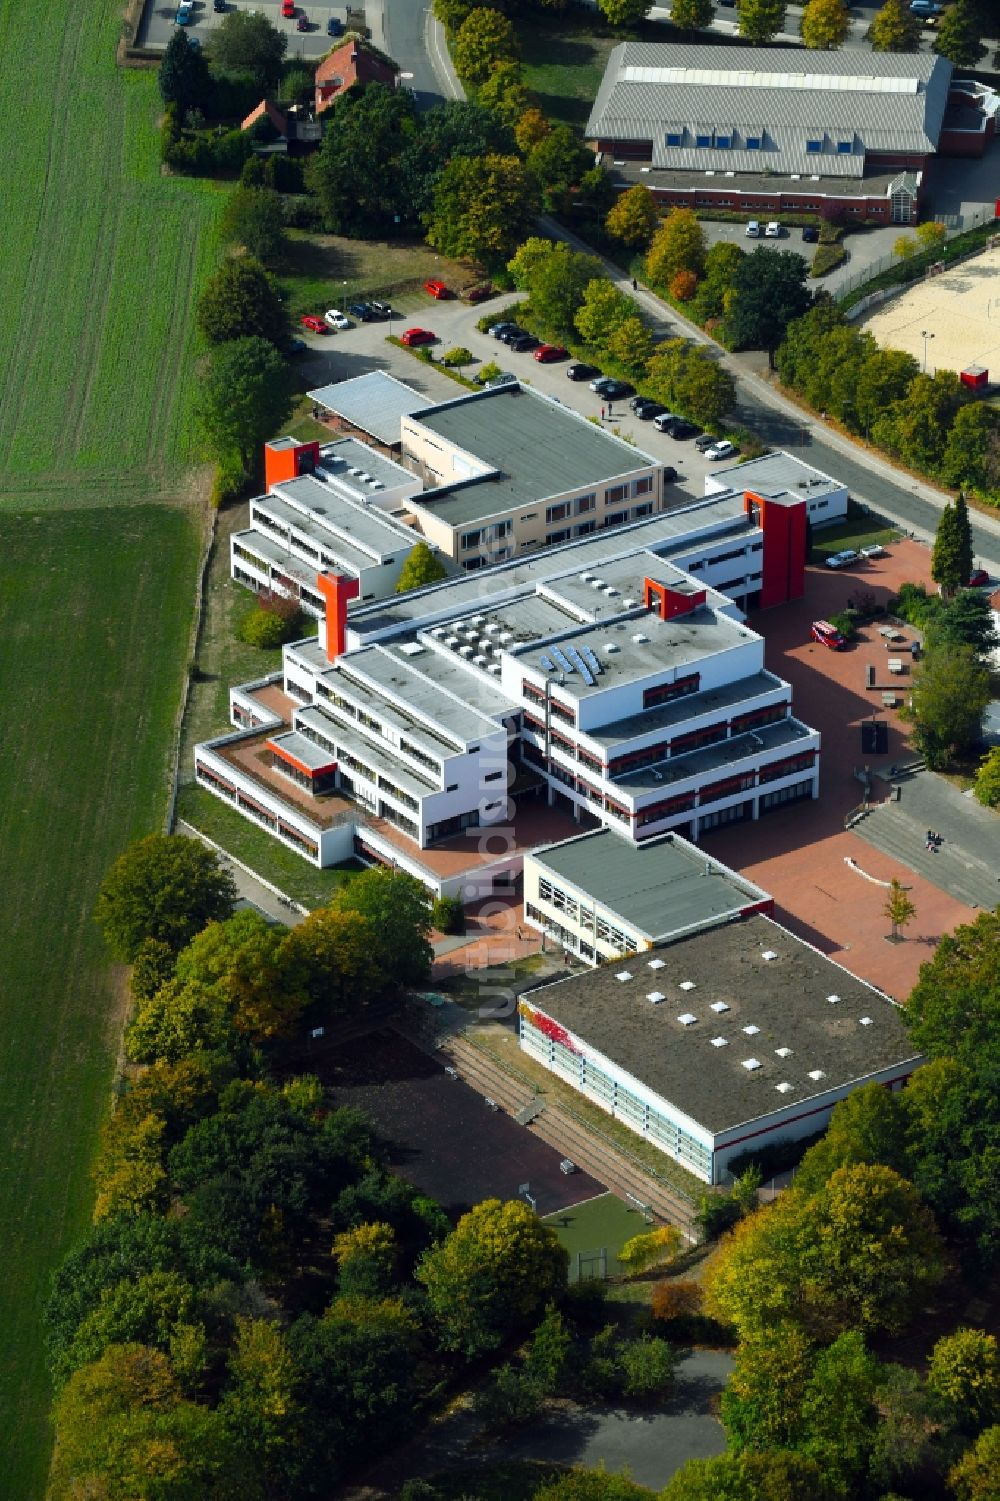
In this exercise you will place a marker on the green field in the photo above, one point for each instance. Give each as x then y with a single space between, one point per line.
604 1223
99 258
564 64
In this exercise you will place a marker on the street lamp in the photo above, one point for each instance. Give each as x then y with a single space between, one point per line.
925 336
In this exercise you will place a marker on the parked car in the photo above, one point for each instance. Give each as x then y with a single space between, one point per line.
513 331
925 8
497 330
288 9
382 309
219 6
669 474
810 234
721 450
503 379
314 325
414 336
185 15
579 371
361 310
651 410
438 290
334 26
549 354
663 421
336 319
827 635
773 230
842 559
978 578
293 346
478 294
705 441
302 24
752 230
873 550
611 389
522 343
639 401
680 428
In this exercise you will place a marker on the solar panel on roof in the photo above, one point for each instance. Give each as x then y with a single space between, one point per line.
581 666
545 664
591 659
562 659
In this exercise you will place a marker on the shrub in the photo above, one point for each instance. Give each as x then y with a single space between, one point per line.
457 356
826 257
675 1301
512 1397
230 477
912 604
843 621
647 1368
448 915
267 628
489 371
717 1213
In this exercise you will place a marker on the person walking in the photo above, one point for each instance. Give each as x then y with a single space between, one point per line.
635 285
602 414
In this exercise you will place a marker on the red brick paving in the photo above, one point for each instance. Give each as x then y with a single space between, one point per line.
798 853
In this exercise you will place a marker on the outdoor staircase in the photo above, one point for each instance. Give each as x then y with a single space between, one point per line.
897 834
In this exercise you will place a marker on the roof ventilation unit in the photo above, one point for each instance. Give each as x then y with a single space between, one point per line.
833 999
718 1007
656 996
687 1020
623 975
480 660
639 639
751 1064
767 955
688 985
496 669
465 651
783 1088
783 1052
720 1042
656 964
865 1021
611 647
816 1074
751 1031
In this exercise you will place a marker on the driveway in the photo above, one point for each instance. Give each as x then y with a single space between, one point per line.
864 247
650 1445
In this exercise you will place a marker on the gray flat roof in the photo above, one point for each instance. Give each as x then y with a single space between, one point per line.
873 183
413 681
784 734
363 536
691 706
303 749
535 447
658 888
375 403
272 550
644 646
776 472
869 101
785 999
339 458
506 581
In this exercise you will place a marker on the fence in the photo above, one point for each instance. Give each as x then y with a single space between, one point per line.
960 224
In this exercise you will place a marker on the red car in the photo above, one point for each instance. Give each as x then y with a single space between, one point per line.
288 9
547 354
417 336
314 325
477 294
827 635
437 289
978 578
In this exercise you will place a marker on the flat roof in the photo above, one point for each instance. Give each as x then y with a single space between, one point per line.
534 447
774 473
303 749
375 403
713 700
658 888
413 683
784 734
786 999
340 459
366 535
641 646
506 582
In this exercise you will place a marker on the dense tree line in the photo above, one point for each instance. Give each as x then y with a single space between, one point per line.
259 1302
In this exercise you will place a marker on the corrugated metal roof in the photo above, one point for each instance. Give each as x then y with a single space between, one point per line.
375 403
878 102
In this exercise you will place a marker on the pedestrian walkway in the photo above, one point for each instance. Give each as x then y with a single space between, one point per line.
966 863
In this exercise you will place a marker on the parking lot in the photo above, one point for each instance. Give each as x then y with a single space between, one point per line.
864 247
159 21
336 356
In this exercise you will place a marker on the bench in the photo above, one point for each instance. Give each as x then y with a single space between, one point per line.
889 700
896 665
889 633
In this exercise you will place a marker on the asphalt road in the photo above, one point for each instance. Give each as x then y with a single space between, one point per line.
407 31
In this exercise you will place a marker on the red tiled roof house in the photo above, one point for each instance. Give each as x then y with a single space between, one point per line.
346 66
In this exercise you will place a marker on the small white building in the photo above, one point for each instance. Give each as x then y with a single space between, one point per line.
781 473
731 1040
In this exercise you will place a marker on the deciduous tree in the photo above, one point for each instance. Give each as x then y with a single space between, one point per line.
776 1476
504 92
954 1008
692 15
397 908
261 1406
870 1125
183 1017
959 36
916 426
244 961
164 887
931 234
825 24
678 245
556 164
895 28
366 1259
481 208
769 290
245 396
631 345
883 378
183 76
458 127
987 788
556 278
603 310
950 691
255 219
964 1373
974 1477
241 302
969 453
531 128
363 174
624 12
485 38
898 908
761 20
635 216
246 42
422 567
491 1276
964 620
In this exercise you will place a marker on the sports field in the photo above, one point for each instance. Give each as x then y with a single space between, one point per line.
602 1224
960 309
98 551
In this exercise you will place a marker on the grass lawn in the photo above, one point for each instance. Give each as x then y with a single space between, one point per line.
564 64
329 271
101 258
95 644
604 1223
855 531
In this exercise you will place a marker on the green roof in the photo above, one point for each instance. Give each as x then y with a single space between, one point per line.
537 448
660 888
